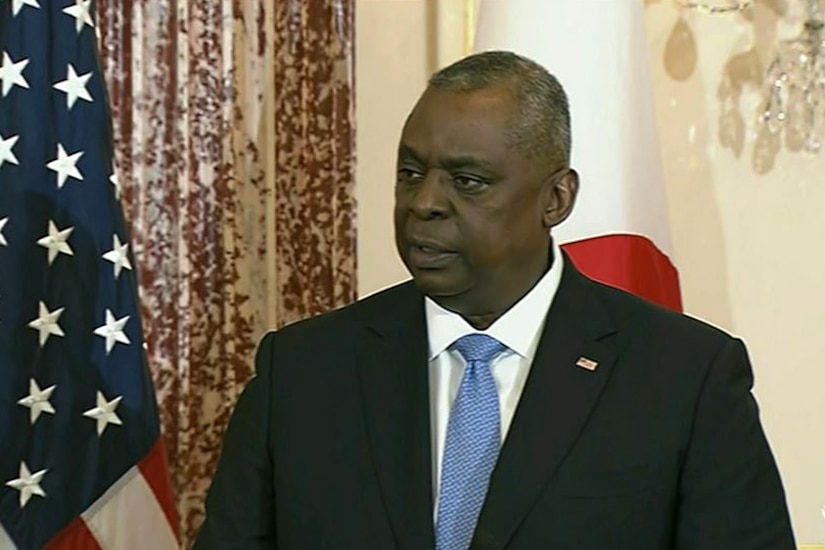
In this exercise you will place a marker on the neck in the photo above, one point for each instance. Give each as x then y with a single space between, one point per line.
485 307
483 321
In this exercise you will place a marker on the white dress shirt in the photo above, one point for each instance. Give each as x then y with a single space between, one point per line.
519 329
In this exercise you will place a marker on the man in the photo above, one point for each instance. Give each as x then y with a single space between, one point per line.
501 399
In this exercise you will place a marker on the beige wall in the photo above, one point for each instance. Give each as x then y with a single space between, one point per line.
748 247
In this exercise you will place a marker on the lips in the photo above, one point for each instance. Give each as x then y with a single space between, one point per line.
428 254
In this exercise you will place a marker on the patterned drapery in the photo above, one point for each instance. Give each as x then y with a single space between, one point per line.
234 140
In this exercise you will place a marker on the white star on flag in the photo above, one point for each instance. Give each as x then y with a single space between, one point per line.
3 222
112 331
113 179
17 5
38 400
55 241
119 256
105 413
65 165
80 11
74 86
46 323
6 153
28 484
11 73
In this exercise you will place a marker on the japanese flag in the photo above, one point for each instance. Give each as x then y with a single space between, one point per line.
618 232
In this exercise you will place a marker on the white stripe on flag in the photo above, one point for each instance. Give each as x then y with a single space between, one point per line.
5 541
129 517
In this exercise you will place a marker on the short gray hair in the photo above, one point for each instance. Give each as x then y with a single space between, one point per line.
543 125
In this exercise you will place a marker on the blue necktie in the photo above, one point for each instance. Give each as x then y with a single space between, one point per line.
472 444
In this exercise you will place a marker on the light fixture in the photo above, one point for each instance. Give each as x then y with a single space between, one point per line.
715 6
794 96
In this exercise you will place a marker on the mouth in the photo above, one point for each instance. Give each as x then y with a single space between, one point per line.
429 255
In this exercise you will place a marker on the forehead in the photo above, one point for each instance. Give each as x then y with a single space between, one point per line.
461 123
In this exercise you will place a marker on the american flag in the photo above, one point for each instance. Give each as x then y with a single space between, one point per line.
81 460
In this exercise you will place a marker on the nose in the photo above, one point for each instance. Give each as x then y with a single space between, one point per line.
429 199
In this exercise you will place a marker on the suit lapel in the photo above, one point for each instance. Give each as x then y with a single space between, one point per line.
555 404
394 379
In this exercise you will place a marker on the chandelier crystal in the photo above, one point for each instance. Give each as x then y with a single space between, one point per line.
794 97
715 6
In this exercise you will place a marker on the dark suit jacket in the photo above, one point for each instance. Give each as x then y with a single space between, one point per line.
659 447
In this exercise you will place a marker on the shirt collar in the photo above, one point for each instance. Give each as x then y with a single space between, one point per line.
519 328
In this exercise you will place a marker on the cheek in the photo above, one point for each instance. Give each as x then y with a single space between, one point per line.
486 241
501 239
398 213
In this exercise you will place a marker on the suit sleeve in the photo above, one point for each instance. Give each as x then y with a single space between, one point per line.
731 495
240 506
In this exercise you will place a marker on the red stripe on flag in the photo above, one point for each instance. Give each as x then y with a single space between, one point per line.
631 263
75 536
155 470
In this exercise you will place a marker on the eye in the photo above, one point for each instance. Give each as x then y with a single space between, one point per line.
409 175
468 183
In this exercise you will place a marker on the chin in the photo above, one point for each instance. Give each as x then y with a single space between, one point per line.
436 285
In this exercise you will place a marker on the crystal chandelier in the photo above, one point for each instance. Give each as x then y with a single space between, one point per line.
715 6
794 104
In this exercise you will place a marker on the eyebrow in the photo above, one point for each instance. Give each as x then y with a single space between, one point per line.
450 163
407 151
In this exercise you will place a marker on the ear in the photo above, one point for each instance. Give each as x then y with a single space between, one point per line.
562 188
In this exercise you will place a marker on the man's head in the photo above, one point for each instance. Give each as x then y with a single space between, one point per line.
542 127
482 176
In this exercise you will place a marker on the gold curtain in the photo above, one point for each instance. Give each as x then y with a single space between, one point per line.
234 136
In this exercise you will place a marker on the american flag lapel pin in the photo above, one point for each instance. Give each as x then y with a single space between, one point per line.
587 364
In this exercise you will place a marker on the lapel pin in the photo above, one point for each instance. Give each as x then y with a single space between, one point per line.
587 364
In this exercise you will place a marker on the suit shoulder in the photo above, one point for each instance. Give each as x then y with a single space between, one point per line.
327 340
339 322
637 314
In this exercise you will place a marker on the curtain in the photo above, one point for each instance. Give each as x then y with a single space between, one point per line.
234 135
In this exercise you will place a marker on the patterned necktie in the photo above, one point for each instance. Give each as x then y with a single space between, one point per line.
472 444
